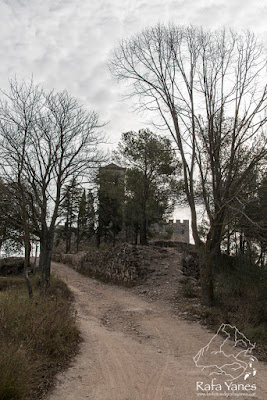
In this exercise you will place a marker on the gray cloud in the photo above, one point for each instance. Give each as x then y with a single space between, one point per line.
66 44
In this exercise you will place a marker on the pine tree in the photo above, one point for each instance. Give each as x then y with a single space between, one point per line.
86 217
69 211
152 165
111 192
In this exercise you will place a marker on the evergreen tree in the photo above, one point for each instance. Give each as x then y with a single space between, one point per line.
150 184
90 213
69 211
111 194
86 217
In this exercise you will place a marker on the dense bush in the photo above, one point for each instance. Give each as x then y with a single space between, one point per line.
240 297
241 288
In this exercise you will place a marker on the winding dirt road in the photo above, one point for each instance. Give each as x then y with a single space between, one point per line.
133 349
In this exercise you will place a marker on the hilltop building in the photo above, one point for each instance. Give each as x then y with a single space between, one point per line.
176 231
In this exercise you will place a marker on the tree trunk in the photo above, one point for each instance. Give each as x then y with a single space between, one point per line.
68 238
206 279
143 230
46 248
241 243
78 237
228 250
35 257
209 254
98 237
26 267
136 236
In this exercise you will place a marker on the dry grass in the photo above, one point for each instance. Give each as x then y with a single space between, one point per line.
37 338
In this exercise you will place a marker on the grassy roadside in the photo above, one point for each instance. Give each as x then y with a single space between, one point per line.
37 339
241 300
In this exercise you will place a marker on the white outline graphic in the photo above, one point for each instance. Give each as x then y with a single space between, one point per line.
237 363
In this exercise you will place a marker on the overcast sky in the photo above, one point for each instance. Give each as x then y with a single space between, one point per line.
65 44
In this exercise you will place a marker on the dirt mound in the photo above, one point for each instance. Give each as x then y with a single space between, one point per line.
124 263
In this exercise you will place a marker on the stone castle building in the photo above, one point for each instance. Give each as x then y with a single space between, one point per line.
176 231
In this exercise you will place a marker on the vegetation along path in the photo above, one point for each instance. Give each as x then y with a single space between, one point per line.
134 349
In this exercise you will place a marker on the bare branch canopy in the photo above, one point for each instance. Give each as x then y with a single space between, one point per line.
208 89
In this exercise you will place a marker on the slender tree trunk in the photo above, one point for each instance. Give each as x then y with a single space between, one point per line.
70 237
35 258
78 237
46 248
98 237
228 242
241 243
26 267
27 245
136 236
143 230
67 236
206 279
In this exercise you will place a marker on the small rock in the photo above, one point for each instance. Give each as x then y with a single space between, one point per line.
159 351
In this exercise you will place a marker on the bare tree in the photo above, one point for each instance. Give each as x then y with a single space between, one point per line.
17 114
47 140
11 232
209 90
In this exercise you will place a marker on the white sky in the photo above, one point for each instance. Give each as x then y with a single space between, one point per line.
65 44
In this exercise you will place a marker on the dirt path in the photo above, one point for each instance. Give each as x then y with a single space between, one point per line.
133 349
